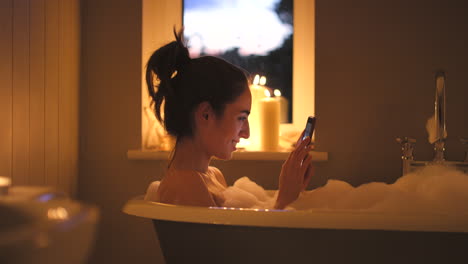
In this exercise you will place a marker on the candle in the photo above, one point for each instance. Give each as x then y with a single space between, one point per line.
5 183
269 122
258 93
283 106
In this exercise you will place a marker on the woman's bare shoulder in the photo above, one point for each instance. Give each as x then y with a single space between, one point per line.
185 188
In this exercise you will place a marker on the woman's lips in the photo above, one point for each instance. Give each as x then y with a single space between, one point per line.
234 143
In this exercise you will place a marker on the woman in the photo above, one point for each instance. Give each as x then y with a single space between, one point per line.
205 103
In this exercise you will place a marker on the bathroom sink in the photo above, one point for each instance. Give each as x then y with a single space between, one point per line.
40 225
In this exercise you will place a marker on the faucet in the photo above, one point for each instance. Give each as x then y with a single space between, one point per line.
407 144
439 116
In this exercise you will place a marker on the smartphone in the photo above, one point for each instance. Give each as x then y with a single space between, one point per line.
310 126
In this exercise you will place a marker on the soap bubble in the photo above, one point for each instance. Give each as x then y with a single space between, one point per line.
433 188
245 184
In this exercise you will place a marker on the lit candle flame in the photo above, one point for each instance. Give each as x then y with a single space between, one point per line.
256 79
277 93
58 213
262 80
267 93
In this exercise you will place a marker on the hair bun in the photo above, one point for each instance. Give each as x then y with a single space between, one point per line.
164 63
182 56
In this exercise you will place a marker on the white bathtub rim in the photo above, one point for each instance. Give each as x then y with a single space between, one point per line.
309 219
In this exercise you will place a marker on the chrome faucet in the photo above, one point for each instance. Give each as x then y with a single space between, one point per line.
439 116
407 144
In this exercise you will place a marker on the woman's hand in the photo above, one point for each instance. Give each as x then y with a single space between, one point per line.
295 173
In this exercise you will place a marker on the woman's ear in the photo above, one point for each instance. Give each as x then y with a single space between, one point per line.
204 112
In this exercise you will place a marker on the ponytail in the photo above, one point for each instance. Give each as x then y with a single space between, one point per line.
165 63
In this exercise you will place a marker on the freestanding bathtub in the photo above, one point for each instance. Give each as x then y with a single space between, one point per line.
233 235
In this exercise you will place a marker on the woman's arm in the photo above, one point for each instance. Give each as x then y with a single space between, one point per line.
296 173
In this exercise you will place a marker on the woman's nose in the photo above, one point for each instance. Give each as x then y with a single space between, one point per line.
245 130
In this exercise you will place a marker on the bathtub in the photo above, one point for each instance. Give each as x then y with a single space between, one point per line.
190 234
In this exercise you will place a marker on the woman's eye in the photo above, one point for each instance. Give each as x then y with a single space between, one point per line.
242 118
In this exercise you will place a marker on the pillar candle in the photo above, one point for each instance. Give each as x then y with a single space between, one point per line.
269 123
258 92
284 103
5 183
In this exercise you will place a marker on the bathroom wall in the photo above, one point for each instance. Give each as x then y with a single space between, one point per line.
39 82
375 65
110 125
374 81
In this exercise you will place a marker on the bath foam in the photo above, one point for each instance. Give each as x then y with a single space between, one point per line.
437 188
245 184
248 194
151 191
432 189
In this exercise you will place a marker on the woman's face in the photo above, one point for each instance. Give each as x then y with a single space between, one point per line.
227 130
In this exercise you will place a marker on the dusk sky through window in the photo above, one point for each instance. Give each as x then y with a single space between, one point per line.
216 26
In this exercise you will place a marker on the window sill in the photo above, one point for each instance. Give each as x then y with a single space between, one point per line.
139 154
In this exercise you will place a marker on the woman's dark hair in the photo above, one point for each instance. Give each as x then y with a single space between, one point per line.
184 83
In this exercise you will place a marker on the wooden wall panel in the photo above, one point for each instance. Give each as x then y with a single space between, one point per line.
37 93
6 91
20 154
68 86
75 31
51 91
39 83
64 87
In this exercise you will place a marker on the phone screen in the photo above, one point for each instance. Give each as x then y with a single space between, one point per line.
310 126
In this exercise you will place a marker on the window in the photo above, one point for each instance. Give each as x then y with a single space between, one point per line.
254 35
160 16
